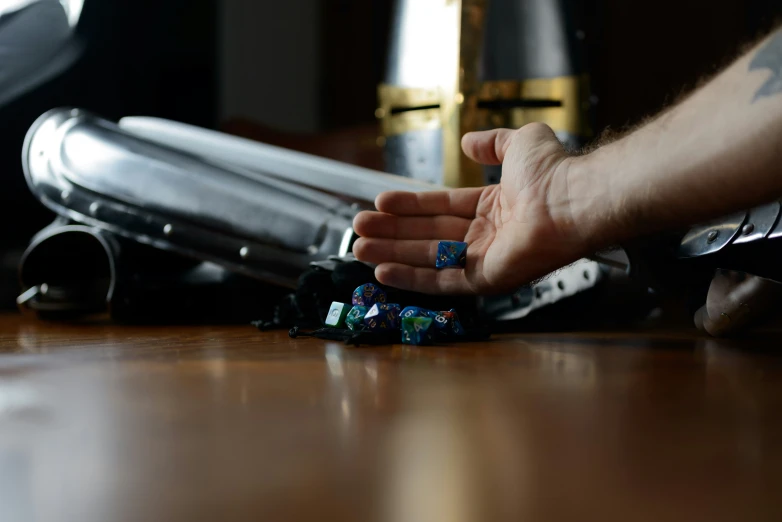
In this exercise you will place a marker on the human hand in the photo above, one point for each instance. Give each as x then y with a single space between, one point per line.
517 231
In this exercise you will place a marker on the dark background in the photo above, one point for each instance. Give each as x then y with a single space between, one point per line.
312 66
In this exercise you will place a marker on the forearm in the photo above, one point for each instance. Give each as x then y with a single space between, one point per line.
718 151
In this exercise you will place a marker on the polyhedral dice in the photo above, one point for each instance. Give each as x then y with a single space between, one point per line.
355 318
414 311
368 294
454 326
446 324
337 314
439 320
415 330
457 328
451 254
382 317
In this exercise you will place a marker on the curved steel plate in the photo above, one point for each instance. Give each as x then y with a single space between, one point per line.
567 282
759 223
776 230
712 236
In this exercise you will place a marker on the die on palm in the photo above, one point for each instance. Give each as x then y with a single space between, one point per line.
451 254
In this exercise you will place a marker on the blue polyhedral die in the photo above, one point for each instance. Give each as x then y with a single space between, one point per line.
382 317
454 326
451 254
439 320
368 294
415 330
446 325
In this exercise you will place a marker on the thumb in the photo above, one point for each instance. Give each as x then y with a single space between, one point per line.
487 147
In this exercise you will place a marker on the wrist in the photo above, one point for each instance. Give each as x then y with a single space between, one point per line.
599 214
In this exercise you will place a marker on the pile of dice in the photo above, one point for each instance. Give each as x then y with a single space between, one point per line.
371 312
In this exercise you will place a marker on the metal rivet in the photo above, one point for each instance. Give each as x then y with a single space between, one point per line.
747 229
94 208
244 252
168 229
713 235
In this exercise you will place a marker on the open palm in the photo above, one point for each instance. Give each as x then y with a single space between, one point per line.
517 231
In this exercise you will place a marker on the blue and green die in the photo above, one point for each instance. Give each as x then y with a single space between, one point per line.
355 317
415 330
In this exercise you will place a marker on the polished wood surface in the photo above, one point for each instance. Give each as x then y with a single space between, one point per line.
101 422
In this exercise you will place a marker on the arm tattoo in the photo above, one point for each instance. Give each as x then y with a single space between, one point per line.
769 57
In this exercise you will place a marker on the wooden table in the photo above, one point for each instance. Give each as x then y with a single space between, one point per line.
111 423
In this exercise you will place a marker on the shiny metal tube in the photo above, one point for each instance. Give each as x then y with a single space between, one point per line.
91 171
308 170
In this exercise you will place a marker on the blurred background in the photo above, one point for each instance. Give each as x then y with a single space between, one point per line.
303 73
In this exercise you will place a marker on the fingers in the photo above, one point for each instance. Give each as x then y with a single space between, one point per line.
375 224
424 280
456 202
735 302
487 147
732 319
409 252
